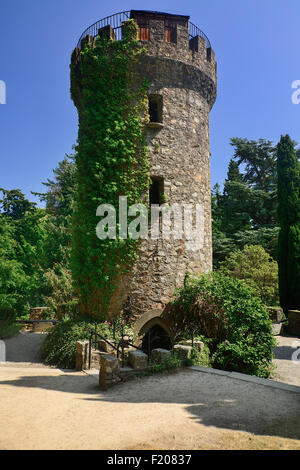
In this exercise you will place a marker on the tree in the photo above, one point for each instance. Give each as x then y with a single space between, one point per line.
60 193
255 266
13 279
289 219
14 205
259 158
58 291
245 213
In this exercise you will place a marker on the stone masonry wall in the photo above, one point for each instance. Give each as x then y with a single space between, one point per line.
179 153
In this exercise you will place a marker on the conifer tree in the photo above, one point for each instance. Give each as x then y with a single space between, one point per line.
289 220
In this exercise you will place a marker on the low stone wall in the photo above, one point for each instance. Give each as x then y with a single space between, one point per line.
38 313
42 327
110 370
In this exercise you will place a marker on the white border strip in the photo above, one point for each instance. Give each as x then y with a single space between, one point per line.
248 378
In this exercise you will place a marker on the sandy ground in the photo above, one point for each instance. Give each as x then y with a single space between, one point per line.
48 408
44 408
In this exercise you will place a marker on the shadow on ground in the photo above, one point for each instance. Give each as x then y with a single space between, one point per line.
209 399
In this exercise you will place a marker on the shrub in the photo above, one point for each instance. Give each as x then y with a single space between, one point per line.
257 268
59 347
173 361
232 317
8 329
200 358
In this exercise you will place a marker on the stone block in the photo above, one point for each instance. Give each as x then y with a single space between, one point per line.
105 347
276 313
184 352
160 355
294 322
277 328
197 344
109 373
42 327
137 359
82 351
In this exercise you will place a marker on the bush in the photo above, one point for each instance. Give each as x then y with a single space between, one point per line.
200 358
59 347
173 361
8 329
232 317
257 268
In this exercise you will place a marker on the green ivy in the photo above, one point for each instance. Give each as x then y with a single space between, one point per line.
111 161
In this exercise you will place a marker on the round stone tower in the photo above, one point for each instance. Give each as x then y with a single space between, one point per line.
180 67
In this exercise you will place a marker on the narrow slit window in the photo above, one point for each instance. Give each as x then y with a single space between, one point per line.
155 108
156 192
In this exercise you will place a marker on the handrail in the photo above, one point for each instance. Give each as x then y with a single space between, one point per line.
119 348
195 31
115 21
35 321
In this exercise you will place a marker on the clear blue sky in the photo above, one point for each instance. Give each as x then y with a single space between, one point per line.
257 47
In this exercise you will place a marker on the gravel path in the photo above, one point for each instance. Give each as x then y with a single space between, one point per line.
24 348
55 409
48 408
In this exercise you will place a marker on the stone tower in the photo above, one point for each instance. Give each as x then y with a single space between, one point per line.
180 67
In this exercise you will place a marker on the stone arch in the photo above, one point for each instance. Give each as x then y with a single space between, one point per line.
147 321
150 316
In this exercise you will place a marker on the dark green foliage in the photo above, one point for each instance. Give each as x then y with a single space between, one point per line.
7 328
111 161
59 347
21 257
289 220
233 319
173 361
259 158
245 212
14 204
56 281
35 246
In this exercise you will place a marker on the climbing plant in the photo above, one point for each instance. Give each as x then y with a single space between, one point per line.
111 160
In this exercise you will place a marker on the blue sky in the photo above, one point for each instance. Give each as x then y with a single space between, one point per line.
256 45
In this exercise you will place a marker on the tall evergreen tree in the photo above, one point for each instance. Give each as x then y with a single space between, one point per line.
289 219
234 201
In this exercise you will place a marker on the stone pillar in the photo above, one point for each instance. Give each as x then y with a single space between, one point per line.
82 355
109 374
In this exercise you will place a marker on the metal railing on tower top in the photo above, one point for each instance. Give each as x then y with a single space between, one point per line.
116 20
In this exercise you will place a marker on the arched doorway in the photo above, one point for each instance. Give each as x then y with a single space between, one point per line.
156 337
